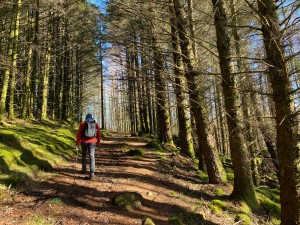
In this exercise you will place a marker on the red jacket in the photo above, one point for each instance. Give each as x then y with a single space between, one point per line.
82 139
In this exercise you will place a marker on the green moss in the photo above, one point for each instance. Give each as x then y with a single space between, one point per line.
154 144
173 193
272 194
220 204
56 201
129 200
175 220
271 207
148 221
229 173
215 209
219 192
217 206
29 149
136 152
244 208
39 220
245 219
202 175
275 221
104 133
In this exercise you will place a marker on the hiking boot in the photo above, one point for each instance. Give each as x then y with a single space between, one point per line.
83 171
92 176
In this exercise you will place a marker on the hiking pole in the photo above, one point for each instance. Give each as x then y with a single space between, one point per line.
77 150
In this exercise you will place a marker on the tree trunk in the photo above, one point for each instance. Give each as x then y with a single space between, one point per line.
130 91
10 54
243 183
214 166
35 68
45 85
185 130
163 116
29 68
191 19
287 136
103 125
245 99
11 113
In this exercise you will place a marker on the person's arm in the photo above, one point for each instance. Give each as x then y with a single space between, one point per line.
78 138
98 135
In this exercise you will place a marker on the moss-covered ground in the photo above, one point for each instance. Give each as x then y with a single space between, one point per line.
28 150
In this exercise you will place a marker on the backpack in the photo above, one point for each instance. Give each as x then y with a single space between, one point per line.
89 130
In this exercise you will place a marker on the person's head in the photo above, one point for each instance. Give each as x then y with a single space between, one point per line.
88 117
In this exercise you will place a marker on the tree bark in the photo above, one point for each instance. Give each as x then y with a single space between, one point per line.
163 116
243 183
185 130
214 166
287 136
10 56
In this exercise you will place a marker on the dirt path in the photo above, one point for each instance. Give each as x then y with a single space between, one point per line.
168 189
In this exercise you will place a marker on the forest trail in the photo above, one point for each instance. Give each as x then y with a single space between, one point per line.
166 181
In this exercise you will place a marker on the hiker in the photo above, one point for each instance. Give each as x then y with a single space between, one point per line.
89 137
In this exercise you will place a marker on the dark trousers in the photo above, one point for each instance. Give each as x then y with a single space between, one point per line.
88 148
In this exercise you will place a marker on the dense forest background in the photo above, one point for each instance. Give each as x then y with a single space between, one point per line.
219 79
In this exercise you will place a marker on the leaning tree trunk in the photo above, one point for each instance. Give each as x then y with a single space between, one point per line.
213 163
287 136
243 183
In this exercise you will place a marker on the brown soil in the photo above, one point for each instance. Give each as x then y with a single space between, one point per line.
167 182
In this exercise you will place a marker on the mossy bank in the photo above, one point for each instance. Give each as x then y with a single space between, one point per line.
29 151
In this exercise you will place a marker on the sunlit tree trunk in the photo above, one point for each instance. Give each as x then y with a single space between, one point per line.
11 113
243 183
245 98
45 84
26 95
286 124
185 130
35 67
214 166
12 59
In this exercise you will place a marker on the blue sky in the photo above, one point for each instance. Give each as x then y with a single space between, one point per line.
100 3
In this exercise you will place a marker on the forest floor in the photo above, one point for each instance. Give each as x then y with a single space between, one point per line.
170 190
